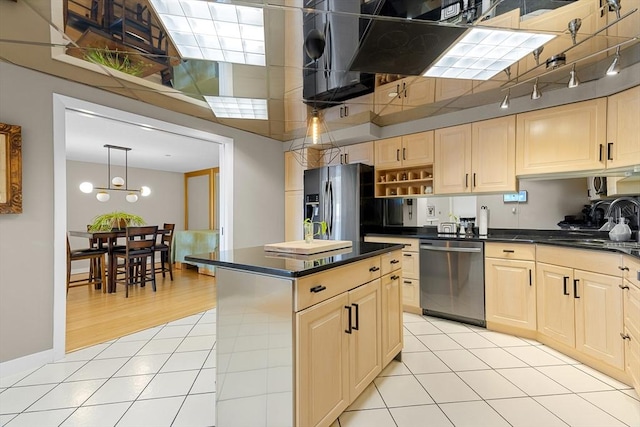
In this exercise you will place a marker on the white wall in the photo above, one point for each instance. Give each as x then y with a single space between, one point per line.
548 203
28 278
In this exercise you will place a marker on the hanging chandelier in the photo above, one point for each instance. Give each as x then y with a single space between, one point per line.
116 183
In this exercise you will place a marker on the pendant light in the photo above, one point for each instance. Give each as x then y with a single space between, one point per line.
614 68
505 102
535 93
116 183
573 78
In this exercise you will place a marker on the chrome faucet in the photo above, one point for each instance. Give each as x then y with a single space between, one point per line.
634 202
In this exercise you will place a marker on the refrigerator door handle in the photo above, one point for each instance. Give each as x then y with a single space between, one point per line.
330 208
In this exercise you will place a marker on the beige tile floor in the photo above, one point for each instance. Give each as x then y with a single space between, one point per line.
451 374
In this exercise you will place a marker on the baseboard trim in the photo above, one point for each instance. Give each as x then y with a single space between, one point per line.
25 363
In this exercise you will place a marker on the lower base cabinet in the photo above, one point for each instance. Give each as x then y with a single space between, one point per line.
579 306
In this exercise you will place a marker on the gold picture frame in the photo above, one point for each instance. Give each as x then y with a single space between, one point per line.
10 169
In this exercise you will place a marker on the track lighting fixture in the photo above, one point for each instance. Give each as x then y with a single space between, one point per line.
574 26
505 102
614 68
536 94
573 78
614 5
536 54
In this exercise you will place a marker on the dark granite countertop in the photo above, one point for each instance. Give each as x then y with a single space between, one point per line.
580 239
257 260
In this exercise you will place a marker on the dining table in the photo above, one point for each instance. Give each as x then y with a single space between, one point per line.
111 239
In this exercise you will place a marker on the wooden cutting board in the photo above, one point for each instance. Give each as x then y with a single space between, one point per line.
300 247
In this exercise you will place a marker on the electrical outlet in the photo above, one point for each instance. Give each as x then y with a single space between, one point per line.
431 211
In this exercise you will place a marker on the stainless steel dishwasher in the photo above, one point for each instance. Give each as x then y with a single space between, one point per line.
452 280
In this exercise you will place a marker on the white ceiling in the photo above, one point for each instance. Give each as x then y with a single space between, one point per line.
151 147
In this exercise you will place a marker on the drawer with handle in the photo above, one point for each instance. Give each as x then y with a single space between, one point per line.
390 262
310 290
521 251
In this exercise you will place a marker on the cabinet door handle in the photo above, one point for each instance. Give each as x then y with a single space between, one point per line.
348 330
355 328
404 154
398 155
346 110
575 288
398 90
600 152
318 288
609 147
341 159
404 89
407 282
625 336
565 282
407 255
466 180
508 251
394 261
374 269
530 278
341 112
346 158
394 277
623 287
623 268
474 180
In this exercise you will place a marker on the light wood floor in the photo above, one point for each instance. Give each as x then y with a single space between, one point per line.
94 317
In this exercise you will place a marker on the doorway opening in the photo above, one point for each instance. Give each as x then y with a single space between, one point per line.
72 210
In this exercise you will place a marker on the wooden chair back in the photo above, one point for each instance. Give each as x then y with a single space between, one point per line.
141 238
167 238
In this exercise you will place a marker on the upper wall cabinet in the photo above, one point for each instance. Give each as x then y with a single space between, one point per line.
478 157
409 150
623 127
557 21
568 138
356 153
403 94
451 88
352 112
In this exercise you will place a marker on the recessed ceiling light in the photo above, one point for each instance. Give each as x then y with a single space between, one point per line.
482 53
214 31
238 108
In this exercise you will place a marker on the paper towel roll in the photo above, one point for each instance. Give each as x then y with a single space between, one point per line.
483 221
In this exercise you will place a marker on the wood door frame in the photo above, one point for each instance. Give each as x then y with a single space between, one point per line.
211 173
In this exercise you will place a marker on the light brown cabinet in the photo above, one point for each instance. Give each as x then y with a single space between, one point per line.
356 153
410 270
476 158
623 127
510 288
352 112
346 333
293 213
631 296
405 151
580 302
403 94
568 138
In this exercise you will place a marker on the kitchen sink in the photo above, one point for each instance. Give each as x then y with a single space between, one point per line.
598 242
625 245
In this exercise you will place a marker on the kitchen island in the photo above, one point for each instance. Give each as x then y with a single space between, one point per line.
299 337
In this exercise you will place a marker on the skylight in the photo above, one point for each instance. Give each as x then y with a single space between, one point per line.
214 31
238 108
482 53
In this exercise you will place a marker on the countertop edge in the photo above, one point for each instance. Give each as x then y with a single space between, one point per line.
205 259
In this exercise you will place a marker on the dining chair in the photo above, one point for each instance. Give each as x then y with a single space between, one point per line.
164 248
131 261
97 259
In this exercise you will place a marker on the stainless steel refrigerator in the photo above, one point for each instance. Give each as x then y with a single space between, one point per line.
343 196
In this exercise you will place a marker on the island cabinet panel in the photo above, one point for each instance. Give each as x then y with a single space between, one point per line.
391 317
365 338
322 362
631 336
568 138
